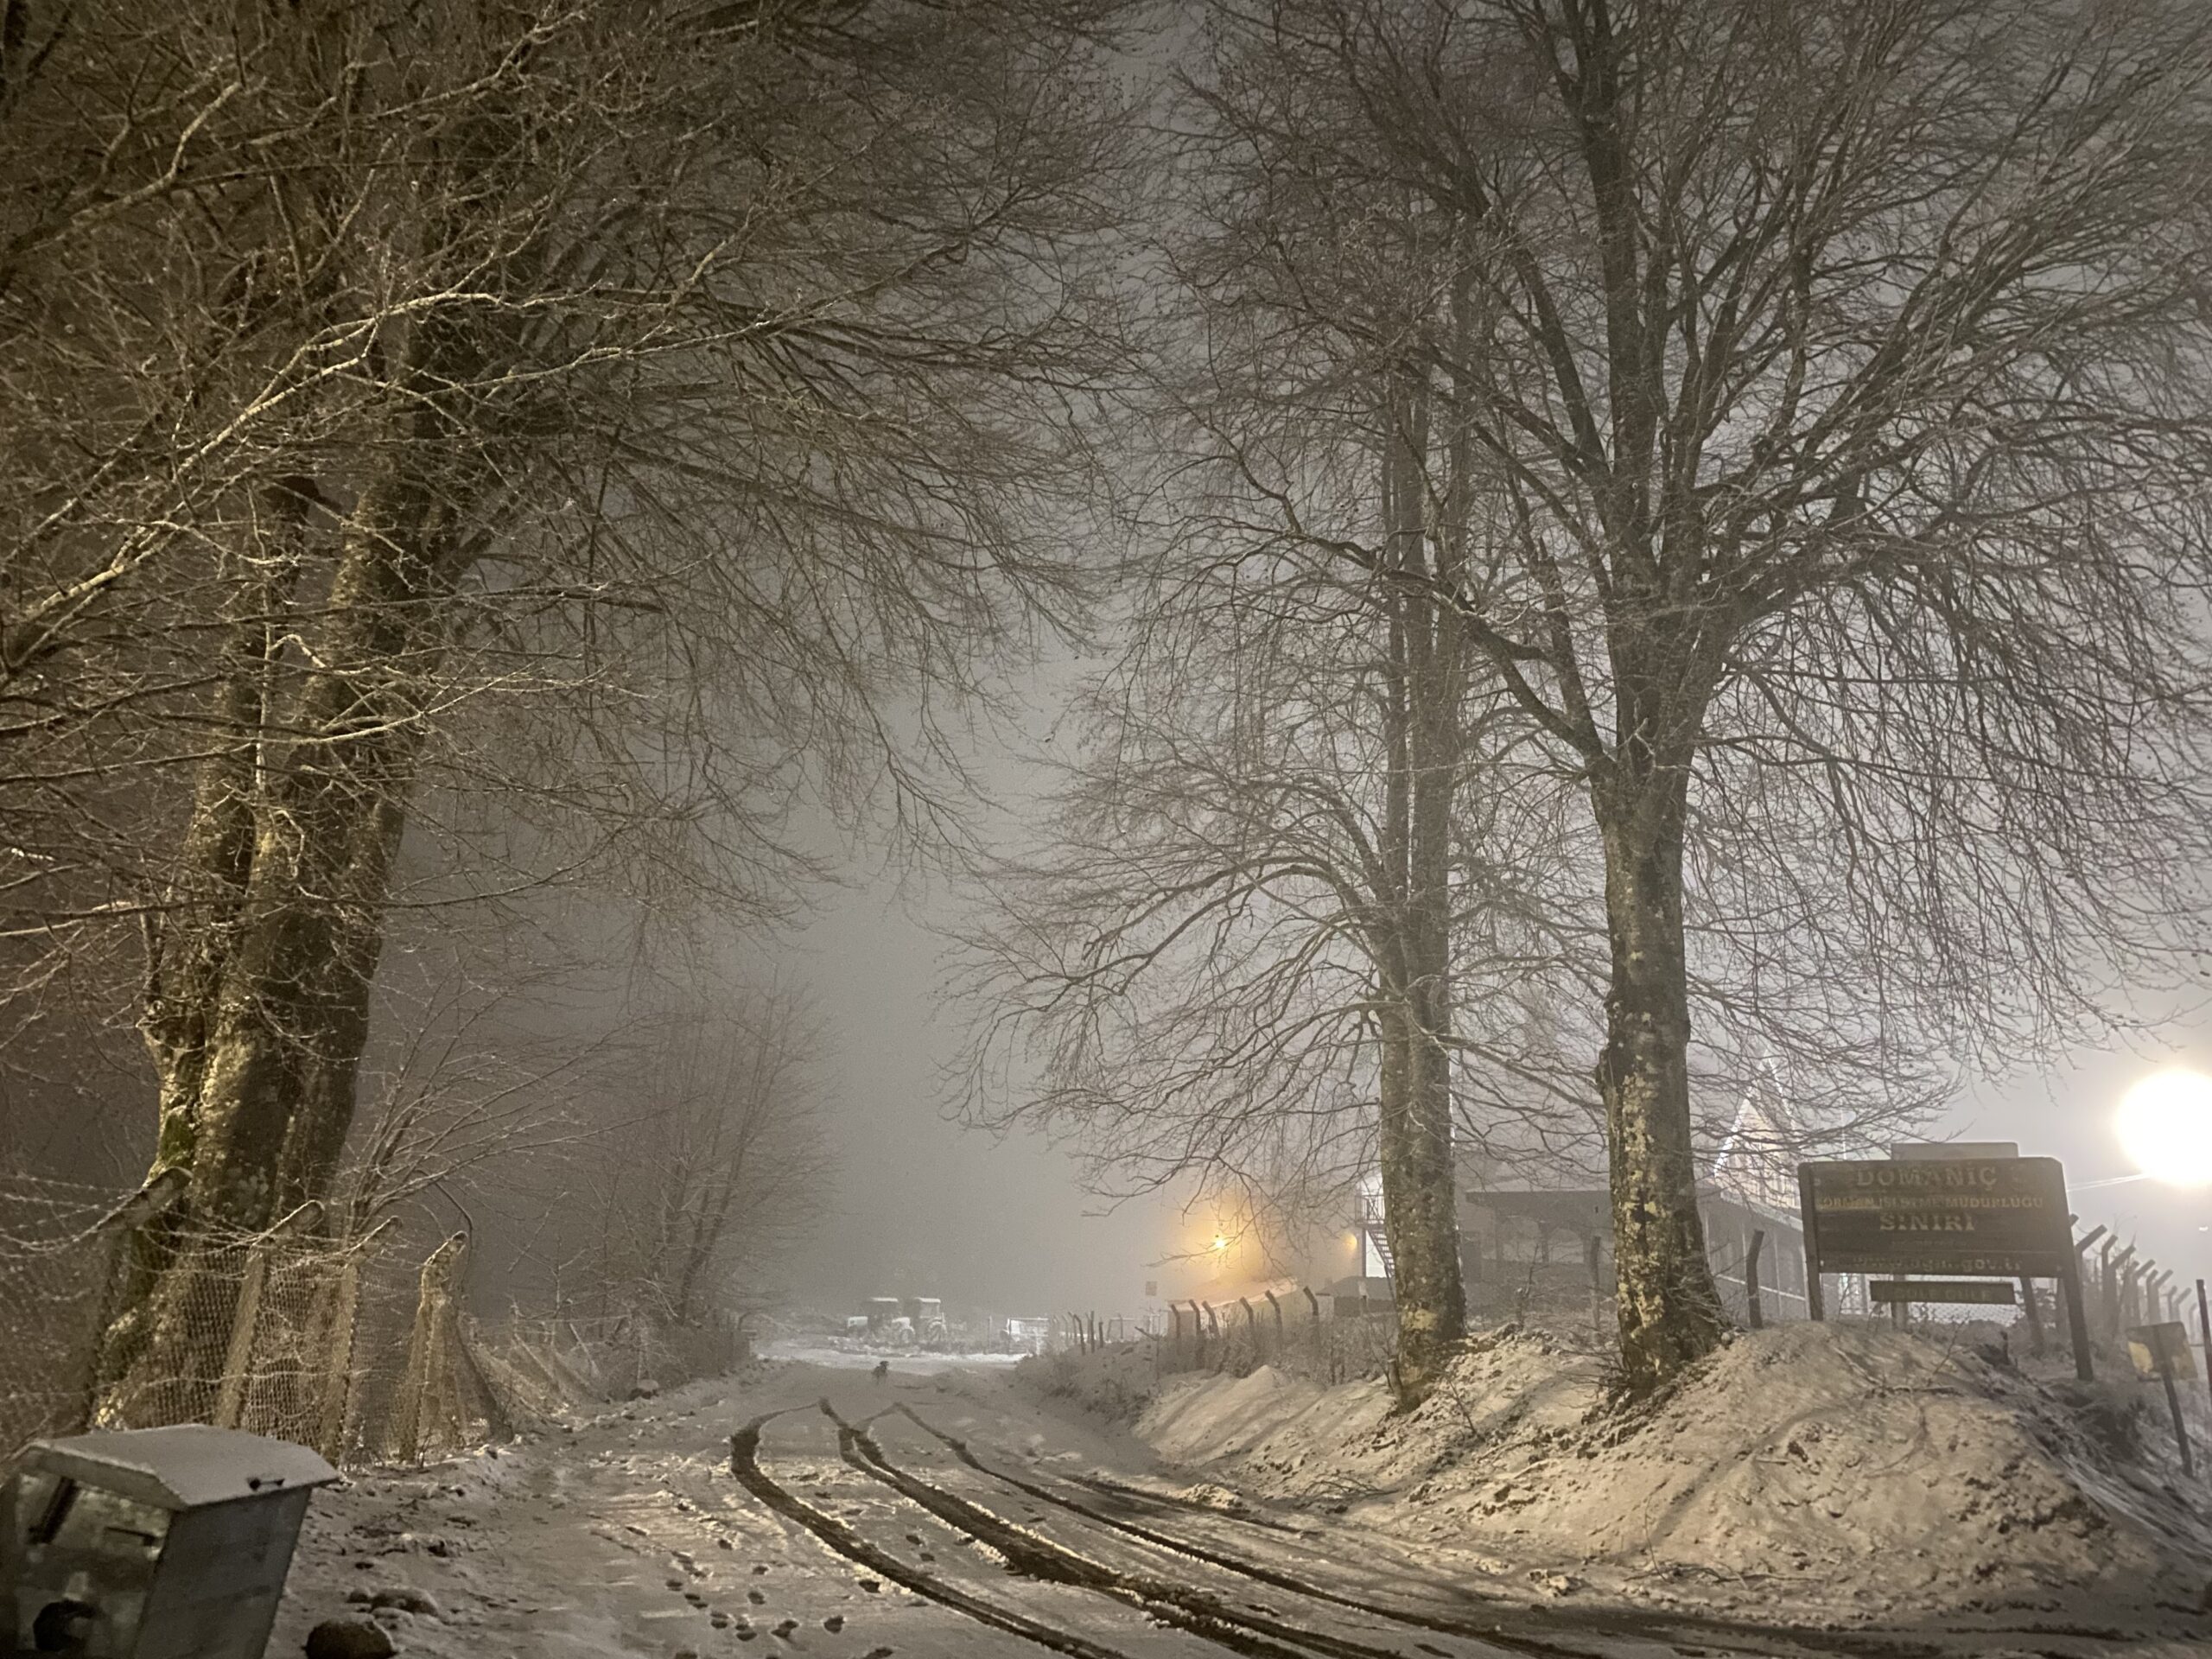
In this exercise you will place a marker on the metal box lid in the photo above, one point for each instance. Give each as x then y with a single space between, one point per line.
187 1466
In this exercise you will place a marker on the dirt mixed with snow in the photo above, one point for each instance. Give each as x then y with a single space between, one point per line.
1858 1471
605 1534
620 1529
1812 1477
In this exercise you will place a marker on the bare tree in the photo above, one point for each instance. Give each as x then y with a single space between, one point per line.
658 393
717 1170
1280 925
1842 373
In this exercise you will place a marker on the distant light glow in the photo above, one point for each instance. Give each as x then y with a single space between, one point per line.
1219 1243
2165 1125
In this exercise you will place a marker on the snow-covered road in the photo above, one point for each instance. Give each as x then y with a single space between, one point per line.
937 1516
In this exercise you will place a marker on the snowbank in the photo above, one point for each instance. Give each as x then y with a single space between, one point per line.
1113 1384
1305 1442
1855 1467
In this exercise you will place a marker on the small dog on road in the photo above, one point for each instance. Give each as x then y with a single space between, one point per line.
882 1370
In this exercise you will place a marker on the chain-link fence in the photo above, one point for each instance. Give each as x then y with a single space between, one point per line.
57 1248
549 1361
356 1346
1325 1338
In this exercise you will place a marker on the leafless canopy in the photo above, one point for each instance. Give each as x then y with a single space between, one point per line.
1814 432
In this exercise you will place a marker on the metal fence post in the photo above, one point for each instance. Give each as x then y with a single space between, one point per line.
426 1345
338 1366
2204 1327
238 1357
2033 1308
337 1409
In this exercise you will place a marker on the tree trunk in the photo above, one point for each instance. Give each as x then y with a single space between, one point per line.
1669 1308
1420 1214
189 944
315 1137
289 1013
1422 716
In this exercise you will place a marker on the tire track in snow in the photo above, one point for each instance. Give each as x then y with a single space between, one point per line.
1678 1634
745 1463
1180 1604
1195 1610
1170 1500
1243 1567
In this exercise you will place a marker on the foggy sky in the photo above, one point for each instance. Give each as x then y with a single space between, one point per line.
922 1206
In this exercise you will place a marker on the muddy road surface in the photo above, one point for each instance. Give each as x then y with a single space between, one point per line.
816 1509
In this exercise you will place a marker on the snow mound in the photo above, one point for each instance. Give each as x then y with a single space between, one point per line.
1112 1383
1851 1457
1851 1465
1305 1442
1198 1419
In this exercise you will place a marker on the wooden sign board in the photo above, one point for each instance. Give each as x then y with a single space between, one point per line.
1954 1151
1918 1218
2162 1350
1997 1292
1995 1216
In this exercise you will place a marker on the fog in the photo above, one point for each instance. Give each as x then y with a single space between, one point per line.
921 1205
2065 1110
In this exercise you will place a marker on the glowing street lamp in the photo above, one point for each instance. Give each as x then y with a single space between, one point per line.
2165 1125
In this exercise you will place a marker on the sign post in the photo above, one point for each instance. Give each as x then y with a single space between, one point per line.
2204 1326
2077 1316
2162 1350
1916 1220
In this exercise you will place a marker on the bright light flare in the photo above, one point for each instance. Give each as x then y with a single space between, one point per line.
1219 1243
2165 1125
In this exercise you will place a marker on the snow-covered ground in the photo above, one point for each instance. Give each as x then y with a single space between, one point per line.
979 1509
1849 1473
907 1362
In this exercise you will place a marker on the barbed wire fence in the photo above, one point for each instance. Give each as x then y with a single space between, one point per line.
358 1346
57 1250
1317 1336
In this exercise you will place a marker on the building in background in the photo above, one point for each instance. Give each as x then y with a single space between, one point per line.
1532 1245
